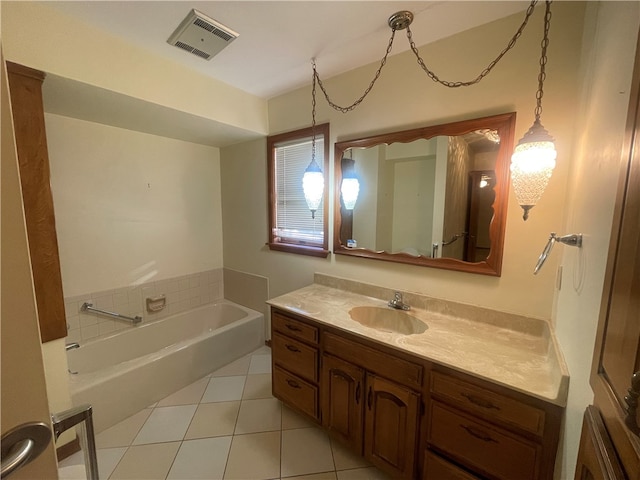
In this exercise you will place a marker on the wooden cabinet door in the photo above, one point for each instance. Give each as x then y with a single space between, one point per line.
342 400
391 426
617 352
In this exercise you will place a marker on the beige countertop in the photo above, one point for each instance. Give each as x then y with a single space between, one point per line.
519 352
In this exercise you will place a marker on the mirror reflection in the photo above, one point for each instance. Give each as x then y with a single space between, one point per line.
433 196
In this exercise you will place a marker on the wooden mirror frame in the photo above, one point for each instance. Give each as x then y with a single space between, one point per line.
505 125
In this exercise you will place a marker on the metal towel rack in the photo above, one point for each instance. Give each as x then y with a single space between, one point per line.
86 306
63 421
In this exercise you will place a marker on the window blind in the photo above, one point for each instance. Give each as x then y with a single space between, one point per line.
293 218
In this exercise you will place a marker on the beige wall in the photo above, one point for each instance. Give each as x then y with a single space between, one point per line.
610 38
43 38
131 207
404 97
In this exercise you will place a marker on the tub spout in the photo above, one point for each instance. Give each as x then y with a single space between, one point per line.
71 346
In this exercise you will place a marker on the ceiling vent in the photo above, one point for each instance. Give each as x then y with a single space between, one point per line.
201 35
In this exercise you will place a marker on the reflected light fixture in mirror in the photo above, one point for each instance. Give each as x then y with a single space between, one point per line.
350 186
421 200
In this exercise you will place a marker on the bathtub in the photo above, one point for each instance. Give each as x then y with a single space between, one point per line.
127 371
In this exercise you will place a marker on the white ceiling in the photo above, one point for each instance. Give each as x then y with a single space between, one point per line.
278 39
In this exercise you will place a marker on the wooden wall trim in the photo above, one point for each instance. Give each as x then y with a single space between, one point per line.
25 86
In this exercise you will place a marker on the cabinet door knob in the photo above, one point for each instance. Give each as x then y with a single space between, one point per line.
481 402
292 348
631 399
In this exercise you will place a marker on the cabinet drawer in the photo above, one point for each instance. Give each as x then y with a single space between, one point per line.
437 468
490 404
293 327
482 446
295 356
295 392
386 365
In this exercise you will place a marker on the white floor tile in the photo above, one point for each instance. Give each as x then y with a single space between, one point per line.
108 459
189 395
224 389
166 424
304 451
260 364
255 456
200 459
213 420
257 386
142 462
262 415
238 367
123 433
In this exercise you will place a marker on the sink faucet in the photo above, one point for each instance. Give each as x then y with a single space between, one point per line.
397 302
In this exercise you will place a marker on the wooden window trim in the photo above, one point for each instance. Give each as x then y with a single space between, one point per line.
272 142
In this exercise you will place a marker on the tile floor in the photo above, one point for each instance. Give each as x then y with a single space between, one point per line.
224 426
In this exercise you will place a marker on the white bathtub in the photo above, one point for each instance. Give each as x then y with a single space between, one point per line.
130 370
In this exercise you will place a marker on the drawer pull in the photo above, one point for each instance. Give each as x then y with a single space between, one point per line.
293 328
293 383
370 398
292 348
481 402
480 435
358 394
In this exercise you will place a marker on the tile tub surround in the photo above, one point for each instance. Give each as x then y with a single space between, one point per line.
511 350
224 426
182 293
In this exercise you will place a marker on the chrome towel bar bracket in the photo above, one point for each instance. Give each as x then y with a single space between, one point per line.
573 240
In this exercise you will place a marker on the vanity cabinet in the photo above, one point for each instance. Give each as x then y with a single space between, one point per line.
407 416
365 409
487 430
295 363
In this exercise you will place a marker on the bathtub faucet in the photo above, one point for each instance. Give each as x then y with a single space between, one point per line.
71 346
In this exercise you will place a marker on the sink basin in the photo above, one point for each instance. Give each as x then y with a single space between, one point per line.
388 320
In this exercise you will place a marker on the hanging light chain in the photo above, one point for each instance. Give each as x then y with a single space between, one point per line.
313 115
366 92
489 67
432 75
543 60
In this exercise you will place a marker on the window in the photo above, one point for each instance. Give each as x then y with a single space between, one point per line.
292 227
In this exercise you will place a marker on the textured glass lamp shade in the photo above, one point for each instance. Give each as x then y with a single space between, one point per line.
532 163
349 189
313 187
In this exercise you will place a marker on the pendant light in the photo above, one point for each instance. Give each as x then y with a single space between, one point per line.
313 179
534 158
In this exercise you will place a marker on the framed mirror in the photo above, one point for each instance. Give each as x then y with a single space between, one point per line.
434 196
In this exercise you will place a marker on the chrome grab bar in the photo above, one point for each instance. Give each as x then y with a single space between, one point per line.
63 421
23 444
88 307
